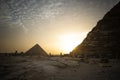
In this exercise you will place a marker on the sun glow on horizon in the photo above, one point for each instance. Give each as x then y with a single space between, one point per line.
69 41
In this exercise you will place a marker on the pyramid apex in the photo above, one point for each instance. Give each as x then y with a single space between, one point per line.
36 50
37 44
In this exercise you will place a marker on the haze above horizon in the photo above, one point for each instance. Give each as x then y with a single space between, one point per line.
56 25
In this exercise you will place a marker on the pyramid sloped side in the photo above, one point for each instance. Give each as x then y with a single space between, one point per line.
104 37
36 50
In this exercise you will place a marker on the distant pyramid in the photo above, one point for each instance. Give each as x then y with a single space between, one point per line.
104 39
36 50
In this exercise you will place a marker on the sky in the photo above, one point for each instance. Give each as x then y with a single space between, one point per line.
56 25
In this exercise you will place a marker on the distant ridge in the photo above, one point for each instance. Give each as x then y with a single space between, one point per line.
104 39
36 50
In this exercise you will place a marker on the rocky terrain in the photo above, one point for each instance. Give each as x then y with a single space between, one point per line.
56 68
103 41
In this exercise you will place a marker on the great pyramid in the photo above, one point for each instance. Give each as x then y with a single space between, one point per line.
104 38
36 50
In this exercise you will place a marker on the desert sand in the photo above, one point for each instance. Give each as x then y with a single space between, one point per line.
56 68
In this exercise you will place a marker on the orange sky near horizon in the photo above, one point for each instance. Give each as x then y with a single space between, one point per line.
56 25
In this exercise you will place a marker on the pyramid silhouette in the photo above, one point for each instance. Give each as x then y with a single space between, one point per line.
36 50
104 38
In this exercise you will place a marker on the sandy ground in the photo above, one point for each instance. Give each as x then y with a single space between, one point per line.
55 68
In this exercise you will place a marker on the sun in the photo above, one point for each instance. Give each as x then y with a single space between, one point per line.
69 41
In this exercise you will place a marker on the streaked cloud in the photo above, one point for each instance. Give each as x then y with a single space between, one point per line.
40 20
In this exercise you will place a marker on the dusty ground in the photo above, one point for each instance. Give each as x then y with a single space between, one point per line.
55 68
